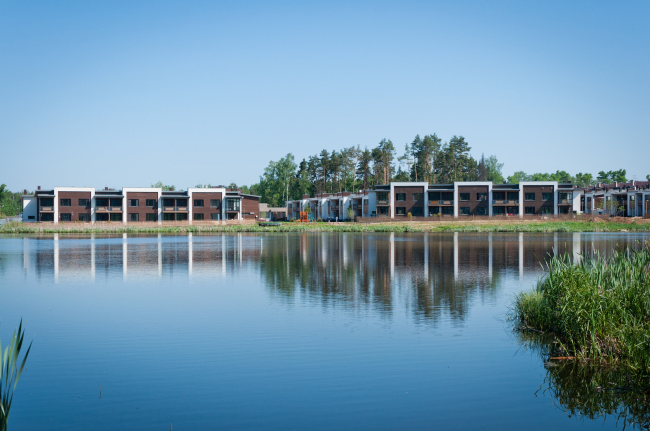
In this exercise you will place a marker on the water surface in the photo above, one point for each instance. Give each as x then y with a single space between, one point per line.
281 331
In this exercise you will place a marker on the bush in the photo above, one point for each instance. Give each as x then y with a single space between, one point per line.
409 216
319 220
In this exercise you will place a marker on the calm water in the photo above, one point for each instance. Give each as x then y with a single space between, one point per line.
290 331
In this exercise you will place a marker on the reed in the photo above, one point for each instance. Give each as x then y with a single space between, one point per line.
10 372
596 310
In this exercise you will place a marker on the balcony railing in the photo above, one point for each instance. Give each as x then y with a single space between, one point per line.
505 201
565 201
382 202
43 208
445 202
107 209
172 209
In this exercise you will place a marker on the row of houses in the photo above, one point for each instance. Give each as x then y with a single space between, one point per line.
137 204
477 198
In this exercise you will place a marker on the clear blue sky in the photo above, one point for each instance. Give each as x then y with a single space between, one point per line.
129 93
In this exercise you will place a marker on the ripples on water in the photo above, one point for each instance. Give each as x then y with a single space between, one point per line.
289 331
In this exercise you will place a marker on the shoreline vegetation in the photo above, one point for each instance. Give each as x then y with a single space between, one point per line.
595 311
613 225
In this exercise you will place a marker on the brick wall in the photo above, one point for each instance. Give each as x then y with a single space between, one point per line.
75 209
142 209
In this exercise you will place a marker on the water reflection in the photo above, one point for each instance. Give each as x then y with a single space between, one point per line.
430 275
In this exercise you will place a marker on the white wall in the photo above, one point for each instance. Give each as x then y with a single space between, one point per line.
30 208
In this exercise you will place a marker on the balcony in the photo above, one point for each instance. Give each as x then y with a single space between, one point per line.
505 202
356 206
443 202
382 202
565 201
46 209
104 209
174 209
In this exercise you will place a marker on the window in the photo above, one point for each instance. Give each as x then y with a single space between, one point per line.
198 216
134 203
116 202
215 203
365 201
168 217
463 196
418 197
383 196
464 210
481 196
31 217
498 196
47 202
181 202
116 217
400 197
84 217
434 210
547 210
434 196
400 210
497 211
417 211
232 204
181 216
151 203
47 217
447 210
215 216
513 196
101 202
563 210
481 211
530 196
84 202
168 202
448 196
530 210
134 217
198 203
101 217
66 216
66 202
152 217
547 196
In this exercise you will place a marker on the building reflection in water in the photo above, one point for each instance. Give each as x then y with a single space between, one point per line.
431 274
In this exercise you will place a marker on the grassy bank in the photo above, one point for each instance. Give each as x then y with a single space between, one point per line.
597 310
451 226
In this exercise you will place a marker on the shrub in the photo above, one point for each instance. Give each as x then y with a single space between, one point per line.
409 216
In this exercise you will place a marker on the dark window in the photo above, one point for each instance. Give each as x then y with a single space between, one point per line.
181 216
481 196
181 202
101 202
400 197
214 216
215 203
530 196
152 217
168 217
151 202
101 217
447 210
116 202
383 196
530 211
47 217
47 202
434 210
434 196
116 217
498 196
198 203
464 210
66 216
547 210
84 202
134 217
448 196
84 217
481 211
134 203
563 210
168 202
497 210
31 217
400 210
232 204
418 197
513 196
365 201
547 196
463 196
198 216
66 202
417 211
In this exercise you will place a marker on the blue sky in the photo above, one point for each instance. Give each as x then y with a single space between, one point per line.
129 93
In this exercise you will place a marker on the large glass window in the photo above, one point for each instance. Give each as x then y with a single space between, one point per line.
565 197
215 216
447 210
151 202
215 203
116 217
47 202
547 210
400 210
400 197
463 196
513 196
547 196
418 197
84 217
168 216
382 196
117 202
101 217
152 217
530 196
181 216
481 211
47 217
481 196
66 202
134 202
498 211
181 202
101 202
168 202
530 211
448 196
84 202
417 211
434 210
498 196
463 210
198 203
134 217
66 216
198 216
434 196
232 204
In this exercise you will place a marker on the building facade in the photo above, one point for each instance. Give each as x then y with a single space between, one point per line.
138 204
477 198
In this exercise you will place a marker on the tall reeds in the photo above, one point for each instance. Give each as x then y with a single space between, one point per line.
10 372
597 309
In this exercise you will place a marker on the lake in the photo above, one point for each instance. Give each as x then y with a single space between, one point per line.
282 331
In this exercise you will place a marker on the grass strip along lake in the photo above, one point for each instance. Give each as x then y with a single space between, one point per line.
312 330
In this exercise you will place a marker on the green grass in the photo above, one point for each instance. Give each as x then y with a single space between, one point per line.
11 367
468 226
597 310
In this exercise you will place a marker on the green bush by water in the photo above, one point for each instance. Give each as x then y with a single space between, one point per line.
597 310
